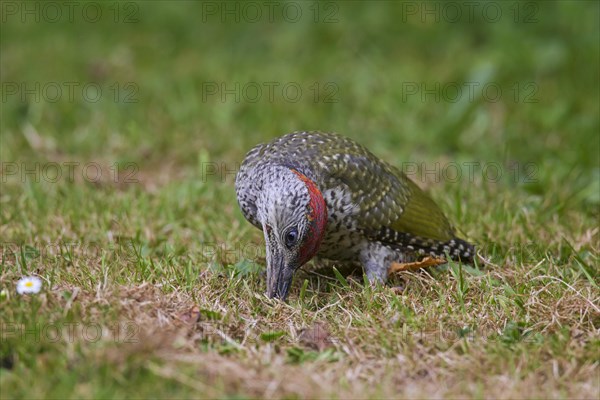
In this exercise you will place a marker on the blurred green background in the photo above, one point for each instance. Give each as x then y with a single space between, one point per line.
162 91
357 64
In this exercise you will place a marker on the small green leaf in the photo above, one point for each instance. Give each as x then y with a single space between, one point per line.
329 355
472 271
340 278
295 355
587 270
271 336
211 315
245 267
227 348
513 332
303 290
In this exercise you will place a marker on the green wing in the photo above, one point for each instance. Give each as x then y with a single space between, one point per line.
386 196
422 217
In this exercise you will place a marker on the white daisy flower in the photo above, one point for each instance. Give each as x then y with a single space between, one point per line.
29 284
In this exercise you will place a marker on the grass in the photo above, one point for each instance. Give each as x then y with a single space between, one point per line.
154 282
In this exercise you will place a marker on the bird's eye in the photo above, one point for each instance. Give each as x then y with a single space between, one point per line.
291 237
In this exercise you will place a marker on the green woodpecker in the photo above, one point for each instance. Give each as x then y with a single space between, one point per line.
322 194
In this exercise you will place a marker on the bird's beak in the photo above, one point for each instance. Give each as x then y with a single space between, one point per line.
279 272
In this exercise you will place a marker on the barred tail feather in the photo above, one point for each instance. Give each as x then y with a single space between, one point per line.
457 249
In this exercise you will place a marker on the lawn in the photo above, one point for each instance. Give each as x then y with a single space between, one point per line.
122 127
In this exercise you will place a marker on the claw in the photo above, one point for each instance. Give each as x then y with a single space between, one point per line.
417 265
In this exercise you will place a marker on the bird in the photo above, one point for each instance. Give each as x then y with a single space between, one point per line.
323 194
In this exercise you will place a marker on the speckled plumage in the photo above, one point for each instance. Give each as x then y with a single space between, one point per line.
375 214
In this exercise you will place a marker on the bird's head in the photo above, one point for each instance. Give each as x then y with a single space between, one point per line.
293 215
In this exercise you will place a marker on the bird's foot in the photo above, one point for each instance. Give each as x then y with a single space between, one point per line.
417 265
